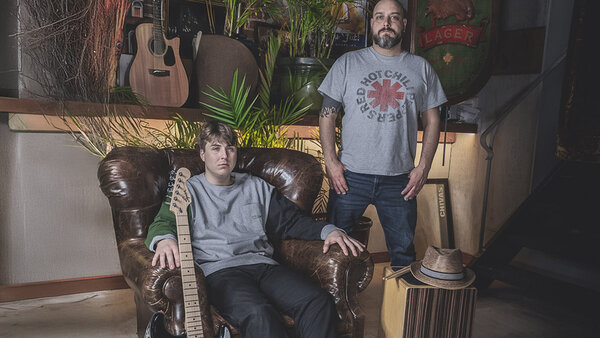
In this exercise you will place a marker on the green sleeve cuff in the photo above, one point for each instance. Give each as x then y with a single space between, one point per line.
164 224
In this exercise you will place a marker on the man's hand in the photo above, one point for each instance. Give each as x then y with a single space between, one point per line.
418 177
167 252
344 241
431 135
335 174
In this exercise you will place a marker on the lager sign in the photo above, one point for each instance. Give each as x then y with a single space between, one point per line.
458 38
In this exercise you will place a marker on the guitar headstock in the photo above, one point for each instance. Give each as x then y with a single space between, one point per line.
180 199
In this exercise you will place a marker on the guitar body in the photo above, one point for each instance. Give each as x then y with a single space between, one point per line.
156 329
159 77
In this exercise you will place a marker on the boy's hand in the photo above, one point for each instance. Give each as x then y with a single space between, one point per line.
167 253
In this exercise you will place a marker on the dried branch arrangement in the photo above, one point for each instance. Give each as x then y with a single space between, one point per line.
99 134
72 47
71 50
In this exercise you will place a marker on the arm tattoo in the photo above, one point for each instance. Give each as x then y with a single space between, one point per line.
326 111
330 107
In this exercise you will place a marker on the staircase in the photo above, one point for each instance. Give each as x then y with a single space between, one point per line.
551 245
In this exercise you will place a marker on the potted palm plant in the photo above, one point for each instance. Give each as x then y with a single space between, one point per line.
311 25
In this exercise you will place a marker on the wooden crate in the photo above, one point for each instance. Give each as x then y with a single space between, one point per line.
412 309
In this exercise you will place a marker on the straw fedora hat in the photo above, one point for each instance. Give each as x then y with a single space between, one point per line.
442 268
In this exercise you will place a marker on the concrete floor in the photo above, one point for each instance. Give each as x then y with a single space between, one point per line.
502 311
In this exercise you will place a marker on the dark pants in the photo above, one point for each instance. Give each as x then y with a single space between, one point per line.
251 298
398 217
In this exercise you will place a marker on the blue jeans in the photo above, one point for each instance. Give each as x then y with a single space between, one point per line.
398 217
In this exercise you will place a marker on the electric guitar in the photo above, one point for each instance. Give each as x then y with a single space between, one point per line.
157 72
180 200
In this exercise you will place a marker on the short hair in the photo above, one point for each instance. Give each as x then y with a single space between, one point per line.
215 130
399 2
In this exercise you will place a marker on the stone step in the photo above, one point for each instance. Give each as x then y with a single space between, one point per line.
576 272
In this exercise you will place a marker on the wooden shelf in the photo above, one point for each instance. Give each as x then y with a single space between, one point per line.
46 107
52 107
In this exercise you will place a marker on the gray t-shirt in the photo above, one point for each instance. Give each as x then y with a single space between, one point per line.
381 96
229 221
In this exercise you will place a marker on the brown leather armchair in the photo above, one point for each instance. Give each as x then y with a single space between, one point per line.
135 182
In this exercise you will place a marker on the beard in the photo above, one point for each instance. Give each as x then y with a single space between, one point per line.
387 42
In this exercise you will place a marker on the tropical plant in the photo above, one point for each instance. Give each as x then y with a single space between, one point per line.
320 204
258 122
237 13
235 109
312 25
177 133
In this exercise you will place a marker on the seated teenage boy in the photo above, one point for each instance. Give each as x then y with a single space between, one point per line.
233 216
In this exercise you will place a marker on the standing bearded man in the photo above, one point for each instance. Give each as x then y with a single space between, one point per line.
383 90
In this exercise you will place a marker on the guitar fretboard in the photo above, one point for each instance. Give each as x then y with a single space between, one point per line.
193 320
159 43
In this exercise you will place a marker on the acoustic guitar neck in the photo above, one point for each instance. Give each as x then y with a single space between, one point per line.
159 41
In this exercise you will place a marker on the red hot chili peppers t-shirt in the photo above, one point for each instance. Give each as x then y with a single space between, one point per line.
381 96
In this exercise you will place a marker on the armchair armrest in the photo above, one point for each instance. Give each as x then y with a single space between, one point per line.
343 276
160 288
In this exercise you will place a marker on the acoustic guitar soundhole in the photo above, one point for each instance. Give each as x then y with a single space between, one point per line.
157 47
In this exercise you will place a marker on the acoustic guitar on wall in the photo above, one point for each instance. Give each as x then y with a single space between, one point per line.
157 72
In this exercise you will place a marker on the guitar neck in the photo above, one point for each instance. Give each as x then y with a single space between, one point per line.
157 20
193 320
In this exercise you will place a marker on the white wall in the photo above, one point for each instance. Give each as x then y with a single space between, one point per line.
55 223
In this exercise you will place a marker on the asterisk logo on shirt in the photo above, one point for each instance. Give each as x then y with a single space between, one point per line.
385 95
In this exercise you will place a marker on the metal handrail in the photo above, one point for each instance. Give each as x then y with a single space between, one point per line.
492 128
